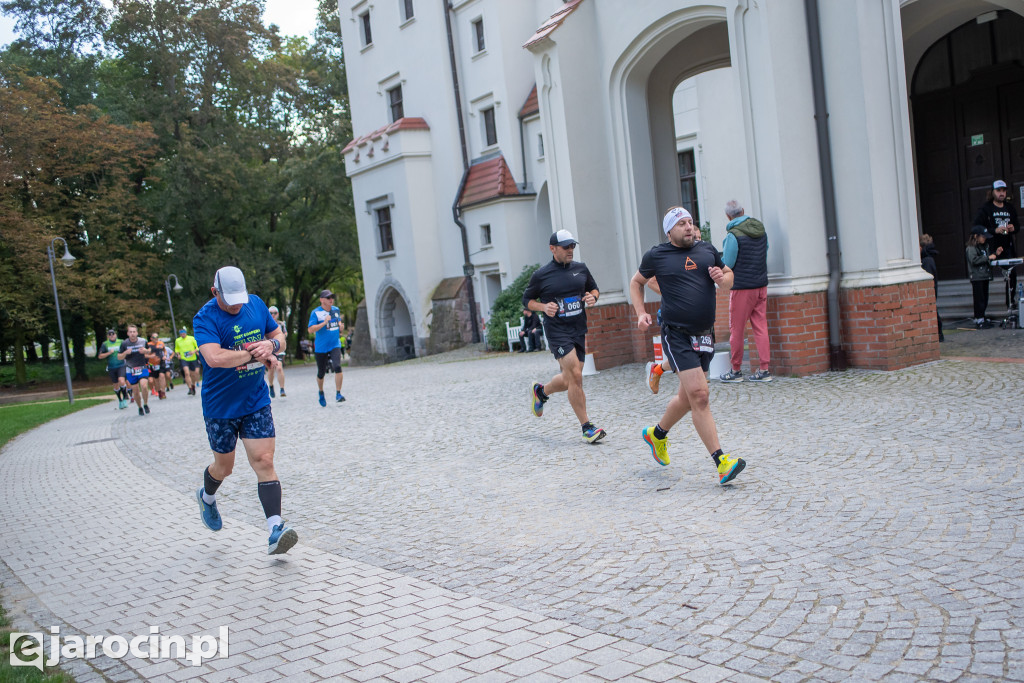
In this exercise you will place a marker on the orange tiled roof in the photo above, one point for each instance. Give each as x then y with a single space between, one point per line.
488 180
556 19
530 106
406 123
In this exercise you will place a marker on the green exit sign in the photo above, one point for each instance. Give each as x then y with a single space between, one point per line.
977 140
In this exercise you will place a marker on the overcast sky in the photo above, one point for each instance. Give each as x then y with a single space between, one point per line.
295 17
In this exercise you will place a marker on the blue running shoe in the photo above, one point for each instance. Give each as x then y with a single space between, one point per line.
338 398
592 434
271 391
208 512
536 402
323 401
282 538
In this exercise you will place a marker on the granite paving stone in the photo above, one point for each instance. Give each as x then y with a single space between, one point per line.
866 538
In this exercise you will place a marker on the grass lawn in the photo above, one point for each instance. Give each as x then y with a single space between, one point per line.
51 372
22 674
15 419
21 417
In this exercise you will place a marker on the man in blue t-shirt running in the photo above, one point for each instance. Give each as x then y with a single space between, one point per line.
237 339
325 323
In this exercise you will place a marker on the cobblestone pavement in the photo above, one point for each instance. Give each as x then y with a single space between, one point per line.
447 534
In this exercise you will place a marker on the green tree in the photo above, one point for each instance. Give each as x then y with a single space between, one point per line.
508 308
70 174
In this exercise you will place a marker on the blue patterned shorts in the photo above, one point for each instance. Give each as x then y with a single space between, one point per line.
223 432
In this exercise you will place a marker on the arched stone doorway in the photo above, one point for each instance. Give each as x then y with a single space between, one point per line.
967 94
394 328
682 45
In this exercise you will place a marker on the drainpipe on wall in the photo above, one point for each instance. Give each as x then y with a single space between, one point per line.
837 357
522 148
467 265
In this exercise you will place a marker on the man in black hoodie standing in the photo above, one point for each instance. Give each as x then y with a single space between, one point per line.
745 250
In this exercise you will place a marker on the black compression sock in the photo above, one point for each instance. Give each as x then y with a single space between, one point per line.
716 455
540 392
210 485
586 424
660 433
270 497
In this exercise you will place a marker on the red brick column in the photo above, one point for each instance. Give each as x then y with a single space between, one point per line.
798 333
891 327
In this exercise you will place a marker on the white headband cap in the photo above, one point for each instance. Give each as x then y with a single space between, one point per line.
674 216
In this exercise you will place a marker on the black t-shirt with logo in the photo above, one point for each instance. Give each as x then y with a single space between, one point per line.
687 290
565 284
993 217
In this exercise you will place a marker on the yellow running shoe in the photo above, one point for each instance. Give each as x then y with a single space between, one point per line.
659 447
728 468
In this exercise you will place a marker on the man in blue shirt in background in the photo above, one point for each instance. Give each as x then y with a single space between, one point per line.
237 339
325 323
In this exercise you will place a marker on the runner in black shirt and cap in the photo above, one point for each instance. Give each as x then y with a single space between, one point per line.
687 271
560 290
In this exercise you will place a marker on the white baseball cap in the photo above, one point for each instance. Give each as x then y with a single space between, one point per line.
230 282
997 184
562 238
674 216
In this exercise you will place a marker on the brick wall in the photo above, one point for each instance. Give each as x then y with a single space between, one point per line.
883 328
891 327
613 337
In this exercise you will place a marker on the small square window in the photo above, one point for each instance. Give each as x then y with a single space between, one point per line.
364 22
490 132
485 235
395 103
478 35
387 242
408 12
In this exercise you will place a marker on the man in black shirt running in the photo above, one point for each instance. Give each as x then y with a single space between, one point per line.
687 270
560 290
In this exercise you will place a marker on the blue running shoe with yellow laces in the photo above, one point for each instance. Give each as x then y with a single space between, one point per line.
208 512
592 434
659 447
282 538
728 468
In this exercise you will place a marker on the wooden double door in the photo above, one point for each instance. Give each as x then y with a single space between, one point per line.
965 138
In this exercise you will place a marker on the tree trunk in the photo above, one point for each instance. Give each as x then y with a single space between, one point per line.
78 339
20 375
101 336
30 349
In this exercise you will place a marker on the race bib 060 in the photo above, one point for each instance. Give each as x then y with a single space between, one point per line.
570 306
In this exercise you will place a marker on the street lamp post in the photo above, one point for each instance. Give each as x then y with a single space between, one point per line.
177 288
67 259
